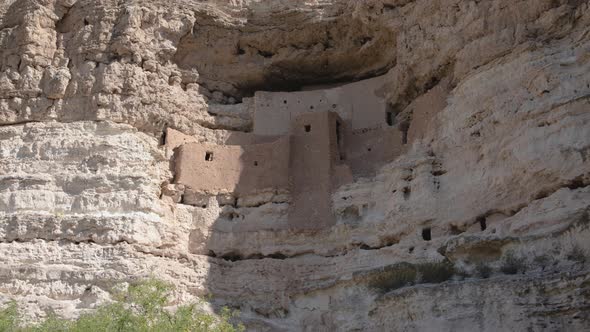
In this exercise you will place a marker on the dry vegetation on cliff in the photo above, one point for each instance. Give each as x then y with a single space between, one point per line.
141 307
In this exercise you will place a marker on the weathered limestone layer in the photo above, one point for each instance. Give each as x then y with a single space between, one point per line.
493 97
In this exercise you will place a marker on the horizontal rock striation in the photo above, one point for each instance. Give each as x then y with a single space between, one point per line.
480 221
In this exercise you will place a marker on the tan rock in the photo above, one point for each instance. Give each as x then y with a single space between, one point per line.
485 154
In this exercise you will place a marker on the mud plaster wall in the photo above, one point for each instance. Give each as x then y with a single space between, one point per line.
238 169
366 150
424 109
357 104
174 138
314 155
368 141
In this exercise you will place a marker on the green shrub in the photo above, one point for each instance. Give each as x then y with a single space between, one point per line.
9 317
512 264
141 308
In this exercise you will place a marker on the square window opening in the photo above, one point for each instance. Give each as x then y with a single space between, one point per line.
208 156
307 128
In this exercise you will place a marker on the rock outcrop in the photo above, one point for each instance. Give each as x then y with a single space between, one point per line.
481 220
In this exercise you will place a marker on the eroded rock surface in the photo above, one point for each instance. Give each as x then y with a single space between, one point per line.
492 99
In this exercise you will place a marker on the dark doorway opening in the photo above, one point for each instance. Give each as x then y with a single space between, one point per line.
339 140
389 118
426 234
482 223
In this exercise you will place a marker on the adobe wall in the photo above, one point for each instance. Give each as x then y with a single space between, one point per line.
265 165
238 169
424 110
314 153
357 104
175 138
366 150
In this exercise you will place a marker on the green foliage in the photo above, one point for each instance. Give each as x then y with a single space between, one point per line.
9 317
512 264
51 323
141 308
483 270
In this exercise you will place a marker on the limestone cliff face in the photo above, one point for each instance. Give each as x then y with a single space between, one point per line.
493 181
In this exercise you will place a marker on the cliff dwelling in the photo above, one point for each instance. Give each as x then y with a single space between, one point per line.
329 165
304 143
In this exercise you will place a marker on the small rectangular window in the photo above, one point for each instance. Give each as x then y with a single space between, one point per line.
209 156
307 128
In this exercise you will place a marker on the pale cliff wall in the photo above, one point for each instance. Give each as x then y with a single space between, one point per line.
494 96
